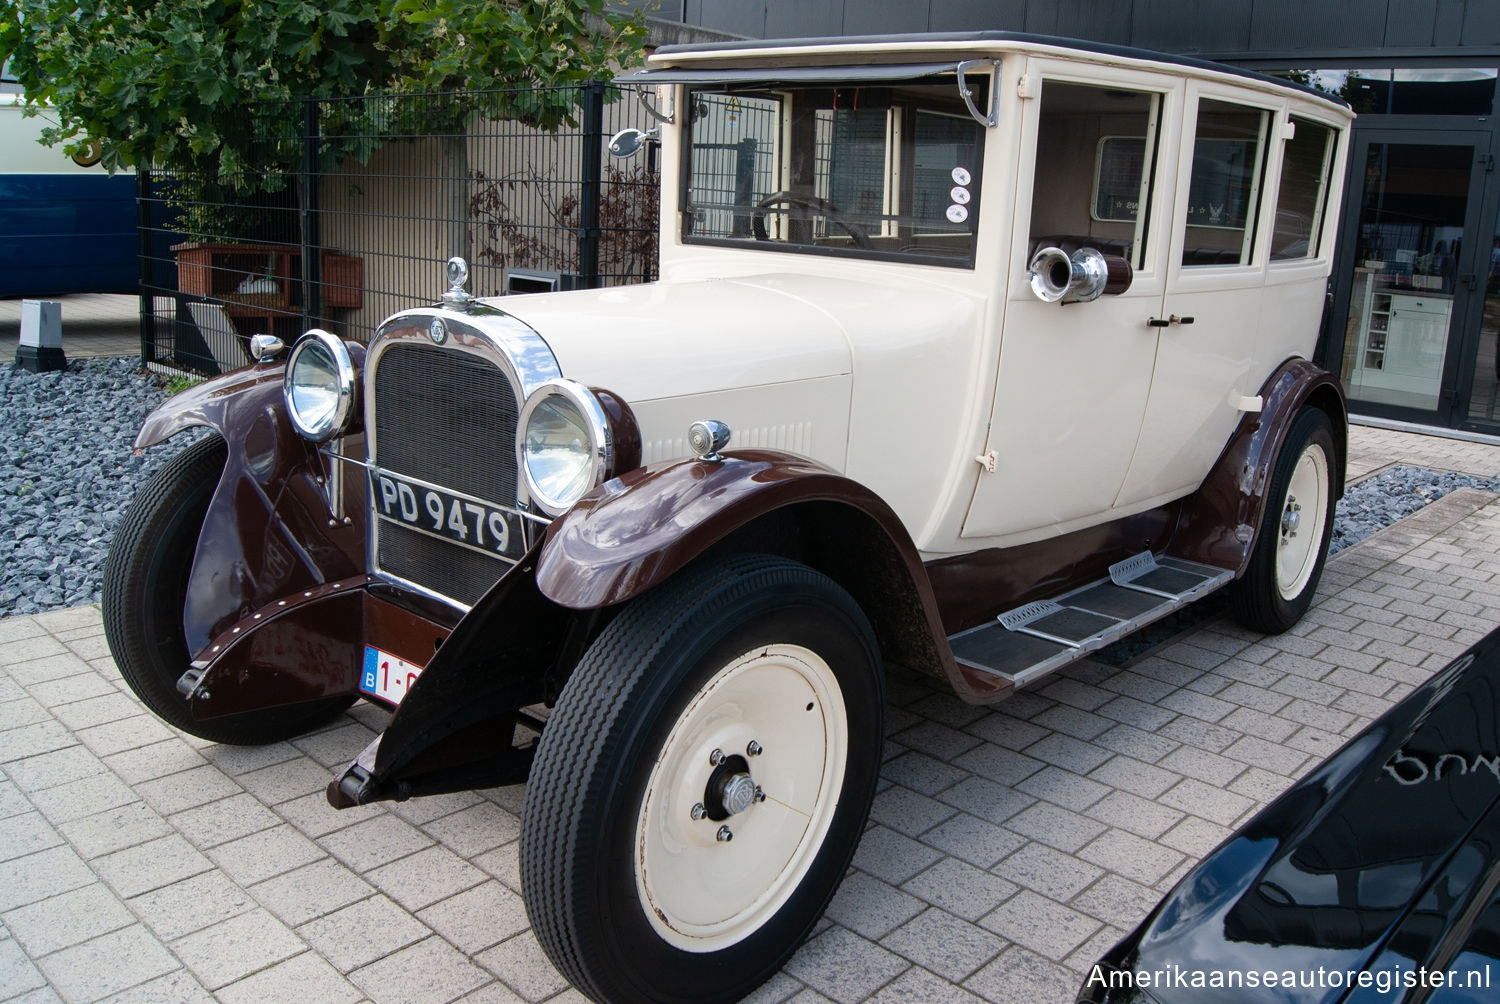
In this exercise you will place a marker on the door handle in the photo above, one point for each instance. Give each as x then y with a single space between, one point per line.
1160 322
1180 320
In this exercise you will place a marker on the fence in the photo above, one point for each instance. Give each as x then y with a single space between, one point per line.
357 207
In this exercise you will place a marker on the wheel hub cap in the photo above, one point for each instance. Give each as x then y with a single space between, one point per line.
738 794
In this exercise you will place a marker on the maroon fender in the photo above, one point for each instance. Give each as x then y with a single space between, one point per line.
1219 521
267 532
637 530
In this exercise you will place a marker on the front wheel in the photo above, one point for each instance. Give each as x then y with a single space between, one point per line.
1278 586
702 783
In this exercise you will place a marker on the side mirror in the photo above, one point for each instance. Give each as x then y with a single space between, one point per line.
1055 277
628 142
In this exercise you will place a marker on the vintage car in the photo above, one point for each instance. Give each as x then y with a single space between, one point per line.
1374 877
971 354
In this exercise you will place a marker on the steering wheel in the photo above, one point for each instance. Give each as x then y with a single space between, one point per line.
803 208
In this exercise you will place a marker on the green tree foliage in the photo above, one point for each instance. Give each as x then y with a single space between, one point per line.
214 88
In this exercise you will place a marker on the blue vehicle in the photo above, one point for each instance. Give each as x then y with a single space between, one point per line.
66 225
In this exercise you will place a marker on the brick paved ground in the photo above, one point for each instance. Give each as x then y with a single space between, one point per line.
1009 847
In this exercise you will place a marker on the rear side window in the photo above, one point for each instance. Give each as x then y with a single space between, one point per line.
1303 191
1228 164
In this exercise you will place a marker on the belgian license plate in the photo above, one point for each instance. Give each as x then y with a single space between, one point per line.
385 676
444 514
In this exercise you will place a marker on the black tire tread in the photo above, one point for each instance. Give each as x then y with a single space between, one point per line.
610 676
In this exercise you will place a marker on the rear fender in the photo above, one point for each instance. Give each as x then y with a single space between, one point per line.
267 532
1220 521
638 530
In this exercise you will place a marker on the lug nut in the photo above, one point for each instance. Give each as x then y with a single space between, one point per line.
716 757
724 835
754 749
760 796
698 811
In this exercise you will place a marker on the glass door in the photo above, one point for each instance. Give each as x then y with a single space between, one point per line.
1414 268
1482 410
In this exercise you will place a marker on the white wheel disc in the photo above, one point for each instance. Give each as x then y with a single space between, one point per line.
1304 512
702 892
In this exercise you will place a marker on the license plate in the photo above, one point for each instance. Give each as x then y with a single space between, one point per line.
443 514
385 676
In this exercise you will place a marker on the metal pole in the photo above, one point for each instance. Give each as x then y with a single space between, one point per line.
593 181
143 264
307 218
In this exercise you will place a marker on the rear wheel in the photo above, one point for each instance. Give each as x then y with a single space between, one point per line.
145 587
1292 545
702 783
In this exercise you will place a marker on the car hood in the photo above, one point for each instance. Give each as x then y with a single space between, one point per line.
1381 849
677 339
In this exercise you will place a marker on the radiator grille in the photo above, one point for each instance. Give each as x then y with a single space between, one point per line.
447 418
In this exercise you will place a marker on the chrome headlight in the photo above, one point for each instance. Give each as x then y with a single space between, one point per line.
565 444
319 385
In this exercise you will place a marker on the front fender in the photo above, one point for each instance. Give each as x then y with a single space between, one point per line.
266 533
639 529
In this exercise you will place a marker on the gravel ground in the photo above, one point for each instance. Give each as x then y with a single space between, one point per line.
67 474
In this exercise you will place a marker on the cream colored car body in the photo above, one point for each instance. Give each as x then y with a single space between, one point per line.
984 416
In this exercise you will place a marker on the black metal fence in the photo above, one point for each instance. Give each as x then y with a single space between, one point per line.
349 215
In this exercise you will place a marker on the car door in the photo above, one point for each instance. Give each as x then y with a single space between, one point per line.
1074 380
1205 375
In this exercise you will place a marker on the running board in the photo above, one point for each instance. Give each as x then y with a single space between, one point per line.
1033 640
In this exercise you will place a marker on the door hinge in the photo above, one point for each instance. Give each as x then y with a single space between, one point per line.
988 461
1487 161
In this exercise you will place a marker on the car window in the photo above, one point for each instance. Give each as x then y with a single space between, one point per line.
891 170
1228 162
1303 190
1095 169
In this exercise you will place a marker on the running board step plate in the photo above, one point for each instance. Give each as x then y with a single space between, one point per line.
1033 640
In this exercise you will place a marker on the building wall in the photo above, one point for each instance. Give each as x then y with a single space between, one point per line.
1248 32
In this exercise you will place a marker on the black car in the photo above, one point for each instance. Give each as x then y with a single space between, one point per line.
1375 877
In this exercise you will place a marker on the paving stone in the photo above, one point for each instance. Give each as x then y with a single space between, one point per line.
1065 751
45 670
425 877
843 966
151 865
496 992
363 932
42 875
957 887
95 793
297 980
1116 900
485 915
237 947
23 650
1129 711
109 707
1070 721
1319 745
922 773
986 799
20 710
127 733
1055 827
311 891
227 819
1035 922
12 802
937 740
264 854
1064 788
870 907
1209 768
312 814
17 973
336 746
1214 804
181 908
1006 730
70 689
429 972
1195 837
1018 976
290 779
34 740
1048 871
999 764
947 709
503 863
103 832
107 964
375 842
1135 776
420 811
972 839
1268 756
25 834
67 919
1133 742
1260 785
1131 856
237 760
918 986
908 812
479 828
1087 954
1137 815
187 789
523 966
169 756
891 856
944 944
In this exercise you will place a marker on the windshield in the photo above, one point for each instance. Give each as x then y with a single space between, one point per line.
889 171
